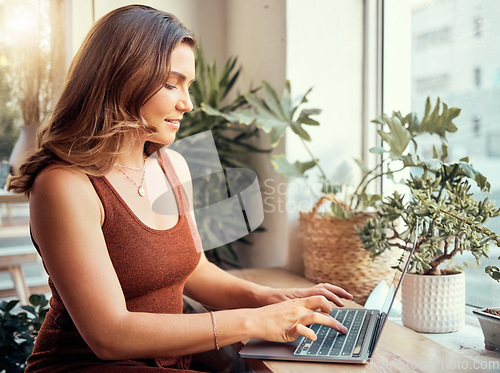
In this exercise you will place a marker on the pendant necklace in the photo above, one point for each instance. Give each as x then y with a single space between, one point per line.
140 187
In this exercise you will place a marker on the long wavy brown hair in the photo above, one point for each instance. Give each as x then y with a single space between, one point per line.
123 61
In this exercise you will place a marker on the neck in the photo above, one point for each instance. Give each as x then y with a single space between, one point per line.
133 158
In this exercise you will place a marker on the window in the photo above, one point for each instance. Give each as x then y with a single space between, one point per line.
433 38
460 65
434 83
477 125
478 27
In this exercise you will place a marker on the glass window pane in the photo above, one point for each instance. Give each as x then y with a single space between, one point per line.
455 56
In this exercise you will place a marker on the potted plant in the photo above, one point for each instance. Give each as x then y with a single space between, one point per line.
489 319
18 331
332 249
450 220
214 89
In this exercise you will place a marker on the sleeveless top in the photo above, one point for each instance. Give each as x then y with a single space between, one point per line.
152 267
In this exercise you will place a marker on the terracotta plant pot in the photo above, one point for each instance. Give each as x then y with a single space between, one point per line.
434 304
491 328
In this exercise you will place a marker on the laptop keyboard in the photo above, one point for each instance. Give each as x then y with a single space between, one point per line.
332 343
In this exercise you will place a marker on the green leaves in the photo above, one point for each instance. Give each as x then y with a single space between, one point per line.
397 138
494 272
214 112
18 331
291 170
451 217
435 123
271 114
399 131
464 168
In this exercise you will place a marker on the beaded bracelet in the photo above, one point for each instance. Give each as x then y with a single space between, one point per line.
216 338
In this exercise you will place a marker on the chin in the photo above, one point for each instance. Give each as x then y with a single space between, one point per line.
164 139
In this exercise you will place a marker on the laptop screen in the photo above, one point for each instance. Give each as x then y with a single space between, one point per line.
393 288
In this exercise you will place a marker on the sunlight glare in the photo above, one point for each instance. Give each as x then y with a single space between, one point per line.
22 24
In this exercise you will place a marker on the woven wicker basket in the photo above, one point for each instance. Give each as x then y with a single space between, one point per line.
333 253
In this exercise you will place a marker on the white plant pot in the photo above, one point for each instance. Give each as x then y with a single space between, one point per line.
434 304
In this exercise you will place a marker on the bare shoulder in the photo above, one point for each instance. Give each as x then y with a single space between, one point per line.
180 165
61 180
64 190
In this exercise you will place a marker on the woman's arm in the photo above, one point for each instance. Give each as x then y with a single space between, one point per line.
66 217
213 286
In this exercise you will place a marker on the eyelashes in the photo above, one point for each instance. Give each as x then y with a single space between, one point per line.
172 87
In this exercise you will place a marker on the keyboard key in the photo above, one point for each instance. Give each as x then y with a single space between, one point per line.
313 350
332 343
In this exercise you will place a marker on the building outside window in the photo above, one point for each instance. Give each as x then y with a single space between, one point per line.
478 27
462 50
477 77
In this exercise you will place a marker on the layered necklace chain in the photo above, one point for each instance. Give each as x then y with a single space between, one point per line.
140 187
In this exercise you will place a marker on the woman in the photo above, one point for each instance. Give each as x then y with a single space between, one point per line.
117 269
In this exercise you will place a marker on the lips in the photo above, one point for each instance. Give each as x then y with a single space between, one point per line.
173 123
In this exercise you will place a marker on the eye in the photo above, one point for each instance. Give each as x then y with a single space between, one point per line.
170 87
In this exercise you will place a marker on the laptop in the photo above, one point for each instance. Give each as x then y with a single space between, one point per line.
357 346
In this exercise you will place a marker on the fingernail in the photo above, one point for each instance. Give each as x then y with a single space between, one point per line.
344 329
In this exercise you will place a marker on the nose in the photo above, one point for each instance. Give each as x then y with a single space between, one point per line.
185 104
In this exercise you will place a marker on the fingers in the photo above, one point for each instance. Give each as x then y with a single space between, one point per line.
286 321
321 315
337 290
305 331
333 293
300 328
324 319
318 302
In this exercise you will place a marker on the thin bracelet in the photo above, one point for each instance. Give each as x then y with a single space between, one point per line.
216 338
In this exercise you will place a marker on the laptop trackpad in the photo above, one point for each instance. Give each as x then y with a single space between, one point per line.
260 349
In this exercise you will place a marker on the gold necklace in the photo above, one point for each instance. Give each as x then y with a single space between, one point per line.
130 168
140 187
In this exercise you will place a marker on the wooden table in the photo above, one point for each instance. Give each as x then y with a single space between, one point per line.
399 349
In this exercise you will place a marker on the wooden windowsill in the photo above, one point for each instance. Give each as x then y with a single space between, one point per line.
399 350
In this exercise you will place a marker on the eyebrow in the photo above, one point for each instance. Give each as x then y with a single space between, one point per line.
182 76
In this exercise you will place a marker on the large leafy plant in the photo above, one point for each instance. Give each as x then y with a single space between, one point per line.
215 89
18 331
274 116
450 217
399 135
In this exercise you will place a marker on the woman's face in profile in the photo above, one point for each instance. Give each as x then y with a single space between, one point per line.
165 108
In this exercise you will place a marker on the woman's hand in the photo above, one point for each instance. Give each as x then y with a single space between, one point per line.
286 321
331 292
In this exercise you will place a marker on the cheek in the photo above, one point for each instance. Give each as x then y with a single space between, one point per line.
153 108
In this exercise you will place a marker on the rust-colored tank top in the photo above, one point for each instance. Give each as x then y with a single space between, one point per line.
152 267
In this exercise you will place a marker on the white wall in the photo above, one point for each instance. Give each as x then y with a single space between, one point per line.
324 51
256 33
205 18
